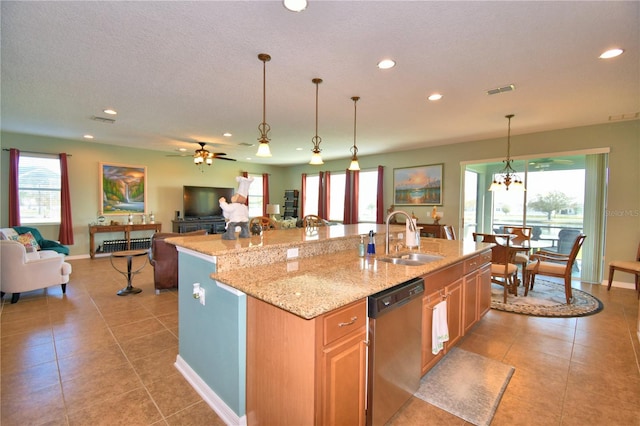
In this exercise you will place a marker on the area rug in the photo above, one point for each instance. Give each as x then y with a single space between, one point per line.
547 299
466 385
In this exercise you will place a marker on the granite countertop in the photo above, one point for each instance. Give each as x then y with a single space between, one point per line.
322 278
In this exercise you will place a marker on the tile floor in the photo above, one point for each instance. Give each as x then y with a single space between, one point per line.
91 357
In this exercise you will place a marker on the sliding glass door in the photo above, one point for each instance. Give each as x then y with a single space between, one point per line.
556 204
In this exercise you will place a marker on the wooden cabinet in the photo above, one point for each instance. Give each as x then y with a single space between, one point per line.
290 203
212 226
306 371
126 230
466 286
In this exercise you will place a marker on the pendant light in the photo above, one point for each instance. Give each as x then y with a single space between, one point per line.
508 176
316 158
354 149
263 128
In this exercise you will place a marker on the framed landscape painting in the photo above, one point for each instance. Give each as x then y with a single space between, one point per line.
123 189
421 185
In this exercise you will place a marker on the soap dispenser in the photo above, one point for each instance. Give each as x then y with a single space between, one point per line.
371 247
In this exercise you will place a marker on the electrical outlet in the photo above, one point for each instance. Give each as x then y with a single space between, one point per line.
292 253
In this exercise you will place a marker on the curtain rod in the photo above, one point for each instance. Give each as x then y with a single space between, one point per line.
34 152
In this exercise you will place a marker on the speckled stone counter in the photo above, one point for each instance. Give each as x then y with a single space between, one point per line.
327 274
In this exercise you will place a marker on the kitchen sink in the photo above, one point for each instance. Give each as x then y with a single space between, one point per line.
421 257
401 261
411 259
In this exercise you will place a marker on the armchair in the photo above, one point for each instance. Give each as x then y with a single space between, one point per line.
20 274
11 233
164 259
554 265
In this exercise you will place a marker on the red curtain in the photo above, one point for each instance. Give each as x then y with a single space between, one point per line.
380 199
265 193
14 196
321 196
351 191
65 235
303 193
246 175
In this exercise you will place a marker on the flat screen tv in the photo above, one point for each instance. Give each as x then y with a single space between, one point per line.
201 202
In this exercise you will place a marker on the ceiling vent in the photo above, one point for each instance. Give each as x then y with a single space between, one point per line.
502 89
103 119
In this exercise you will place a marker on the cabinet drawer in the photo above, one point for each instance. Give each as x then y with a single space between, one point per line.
342 322
472 263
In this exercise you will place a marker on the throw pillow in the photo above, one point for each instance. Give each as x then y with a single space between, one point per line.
28 241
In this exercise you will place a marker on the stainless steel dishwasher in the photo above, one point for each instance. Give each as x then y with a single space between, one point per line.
395 324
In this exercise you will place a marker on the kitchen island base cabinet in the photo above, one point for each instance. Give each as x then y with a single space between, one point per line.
466 286
305 371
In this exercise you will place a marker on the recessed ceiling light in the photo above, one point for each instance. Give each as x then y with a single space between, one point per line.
611 53
227 134
248 158
88 136
295 5
435 97
182 149
298 149
385 64
110 111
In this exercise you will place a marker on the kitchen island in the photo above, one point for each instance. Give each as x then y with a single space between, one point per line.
283 325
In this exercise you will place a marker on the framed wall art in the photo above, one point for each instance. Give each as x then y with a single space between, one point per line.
123 189
418 186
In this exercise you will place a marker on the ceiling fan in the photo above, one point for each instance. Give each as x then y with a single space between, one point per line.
204 156
545 163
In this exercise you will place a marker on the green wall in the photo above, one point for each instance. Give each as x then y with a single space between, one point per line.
167 175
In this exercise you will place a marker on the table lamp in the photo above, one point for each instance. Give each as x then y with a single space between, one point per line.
273 210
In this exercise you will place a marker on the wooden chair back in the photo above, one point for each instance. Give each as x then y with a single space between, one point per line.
312 221
449 232
522 233
266 223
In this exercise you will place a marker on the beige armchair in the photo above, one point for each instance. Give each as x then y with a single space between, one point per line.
21 273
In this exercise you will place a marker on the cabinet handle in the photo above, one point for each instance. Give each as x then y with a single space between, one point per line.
345 324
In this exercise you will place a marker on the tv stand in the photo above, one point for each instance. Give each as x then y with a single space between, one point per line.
213 225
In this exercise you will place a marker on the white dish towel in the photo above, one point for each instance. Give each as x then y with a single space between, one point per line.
439 328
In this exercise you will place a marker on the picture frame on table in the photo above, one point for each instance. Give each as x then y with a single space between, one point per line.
123 189
418 185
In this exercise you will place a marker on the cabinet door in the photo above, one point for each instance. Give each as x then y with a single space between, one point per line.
454 312
470 303
484 289
344 381
428 358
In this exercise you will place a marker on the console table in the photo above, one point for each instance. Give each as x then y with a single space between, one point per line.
212 226
126 229
431 230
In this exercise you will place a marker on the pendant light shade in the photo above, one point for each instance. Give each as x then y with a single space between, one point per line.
263 128
316 158
354 149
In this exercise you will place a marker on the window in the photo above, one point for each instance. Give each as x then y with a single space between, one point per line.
336 196
39 189
311 195
368 196
255 196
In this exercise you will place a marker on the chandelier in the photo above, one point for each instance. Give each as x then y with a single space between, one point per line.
202 156
316 159
263 128
354 149
508 176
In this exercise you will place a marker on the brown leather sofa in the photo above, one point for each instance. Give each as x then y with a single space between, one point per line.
164 259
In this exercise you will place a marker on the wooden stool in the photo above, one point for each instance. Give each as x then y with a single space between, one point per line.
129 273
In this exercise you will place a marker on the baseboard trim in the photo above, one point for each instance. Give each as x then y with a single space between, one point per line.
208 395
619 284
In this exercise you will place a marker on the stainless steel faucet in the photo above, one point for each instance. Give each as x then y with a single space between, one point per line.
412 227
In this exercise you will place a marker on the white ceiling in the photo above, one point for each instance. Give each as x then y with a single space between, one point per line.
180 72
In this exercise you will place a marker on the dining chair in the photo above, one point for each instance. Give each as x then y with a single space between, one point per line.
503 270
449 232
266 223
553 264
312 221
522 237
629 266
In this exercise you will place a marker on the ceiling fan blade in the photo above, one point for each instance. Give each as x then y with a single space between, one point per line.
225 158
